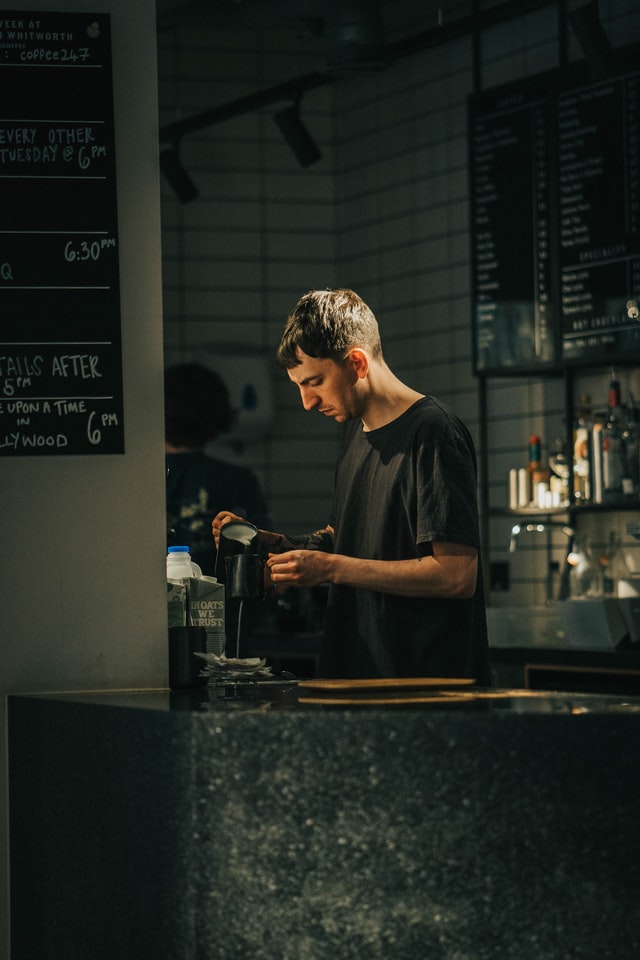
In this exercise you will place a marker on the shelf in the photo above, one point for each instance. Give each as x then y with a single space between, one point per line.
574 509
604 507
528 512
573 517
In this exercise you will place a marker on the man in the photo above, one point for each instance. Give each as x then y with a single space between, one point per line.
197 409
401 553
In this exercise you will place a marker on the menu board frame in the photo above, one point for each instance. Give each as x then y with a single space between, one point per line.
61 382
538 181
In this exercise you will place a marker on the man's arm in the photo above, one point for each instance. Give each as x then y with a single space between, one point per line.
278 542
449 574
318 540
306 561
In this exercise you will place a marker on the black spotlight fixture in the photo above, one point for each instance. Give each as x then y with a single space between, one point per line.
296 134
590 34
176 175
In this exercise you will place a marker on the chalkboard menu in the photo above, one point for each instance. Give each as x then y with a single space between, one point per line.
555 170
60 339
599 218
511 233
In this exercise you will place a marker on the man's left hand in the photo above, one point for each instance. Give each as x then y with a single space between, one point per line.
299 568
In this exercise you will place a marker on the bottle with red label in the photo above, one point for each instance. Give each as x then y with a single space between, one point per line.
538 475
615 472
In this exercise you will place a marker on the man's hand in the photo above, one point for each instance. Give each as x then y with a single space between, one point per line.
300 568
219 521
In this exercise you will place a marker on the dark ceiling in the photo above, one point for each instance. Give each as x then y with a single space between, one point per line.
351 30
356 34
301 16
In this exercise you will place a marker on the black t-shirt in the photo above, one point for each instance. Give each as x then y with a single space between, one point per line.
198 487
397 489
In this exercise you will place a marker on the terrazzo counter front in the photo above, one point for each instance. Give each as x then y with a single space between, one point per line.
190 827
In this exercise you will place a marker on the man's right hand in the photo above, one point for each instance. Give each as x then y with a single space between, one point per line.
220 520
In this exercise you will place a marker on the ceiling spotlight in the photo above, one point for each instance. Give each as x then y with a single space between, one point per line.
593 40
176 176
296 134
355 41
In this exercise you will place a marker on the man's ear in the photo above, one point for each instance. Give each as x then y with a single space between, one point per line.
359 361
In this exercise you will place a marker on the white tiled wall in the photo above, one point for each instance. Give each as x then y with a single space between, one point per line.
385 211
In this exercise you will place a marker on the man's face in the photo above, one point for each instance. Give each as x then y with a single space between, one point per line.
329 387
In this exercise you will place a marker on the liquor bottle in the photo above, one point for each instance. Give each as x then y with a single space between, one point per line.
614 466
582 451
538 475
597 430
631 437
560 471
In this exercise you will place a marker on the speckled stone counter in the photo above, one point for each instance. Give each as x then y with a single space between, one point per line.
164 826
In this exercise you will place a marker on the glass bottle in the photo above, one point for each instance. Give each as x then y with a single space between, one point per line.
614 466
559 477
582 451
537 474
585 575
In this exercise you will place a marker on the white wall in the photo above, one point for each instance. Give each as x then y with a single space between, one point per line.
82 591
261 232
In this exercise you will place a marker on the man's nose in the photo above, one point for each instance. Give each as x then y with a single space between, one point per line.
309 397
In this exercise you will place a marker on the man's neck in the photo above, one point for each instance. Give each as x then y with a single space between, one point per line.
389 399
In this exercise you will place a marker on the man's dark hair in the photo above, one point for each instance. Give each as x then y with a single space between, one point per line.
196 405
327 324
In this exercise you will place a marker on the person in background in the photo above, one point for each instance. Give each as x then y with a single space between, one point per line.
401 550
197 410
